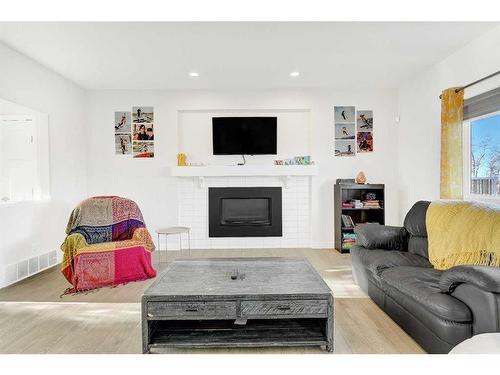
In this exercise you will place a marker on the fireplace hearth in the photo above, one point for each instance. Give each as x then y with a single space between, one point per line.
245 212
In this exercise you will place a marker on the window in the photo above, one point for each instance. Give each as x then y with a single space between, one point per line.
482 156
18 159
24 154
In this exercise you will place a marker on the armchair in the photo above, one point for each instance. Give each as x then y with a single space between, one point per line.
107 243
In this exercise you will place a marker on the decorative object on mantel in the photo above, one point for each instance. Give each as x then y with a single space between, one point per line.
345 129
303 160
361 178
181 160
297 160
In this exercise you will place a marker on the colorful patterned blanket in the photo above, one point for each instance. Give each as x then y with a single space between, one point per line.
107 243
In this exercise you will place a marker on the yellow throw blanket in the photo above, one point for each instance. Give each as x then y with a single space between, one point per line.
463 233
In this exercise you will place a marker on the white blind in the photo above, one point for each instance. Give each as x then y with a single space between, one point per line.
482 104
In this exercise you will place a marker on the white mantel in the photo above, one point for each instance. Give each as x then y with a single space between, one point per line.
284 171
244 170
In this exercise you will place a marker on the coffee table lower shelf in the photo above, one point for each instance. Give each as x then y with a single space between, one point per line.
225 333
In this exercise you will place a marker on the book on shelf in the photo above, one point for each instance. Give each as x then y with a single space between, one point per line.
357 203
352 222
349 236
348 239
371 203
347 221
353 203
347 245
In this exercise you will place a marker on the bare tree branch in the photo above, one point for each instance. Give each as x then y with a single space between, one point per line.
478 155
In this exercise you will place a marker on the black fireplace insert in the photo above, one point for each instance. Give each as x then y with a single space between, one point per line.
244 212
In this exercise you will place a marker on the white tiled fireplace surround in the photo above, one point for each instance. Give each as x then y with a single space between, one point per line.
296 211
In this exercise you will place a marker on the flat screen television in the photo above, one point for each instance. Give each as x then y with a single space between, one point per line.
244 135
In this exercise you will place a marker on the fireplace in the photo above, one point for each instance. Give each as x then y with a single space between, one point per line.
244 212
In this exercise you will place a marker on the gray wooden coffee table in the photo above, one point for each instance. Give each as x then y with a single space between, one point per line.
238 302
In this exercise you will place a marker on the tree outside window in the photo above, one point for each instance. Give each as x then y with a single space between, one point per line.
485 156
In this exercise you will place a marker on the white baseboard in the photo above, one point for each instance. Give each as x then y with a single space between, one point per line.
322 245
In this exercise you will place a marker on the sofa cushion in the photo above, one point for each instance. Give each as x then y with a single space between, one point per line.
418 245
415 219
376 236
417 290
415 225
376 260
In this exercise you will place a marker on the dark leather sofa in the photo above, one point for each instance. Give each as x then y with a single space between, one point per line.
439 309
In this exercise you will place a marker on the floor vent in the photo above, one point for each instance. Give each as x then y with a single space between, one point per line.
25 268
43 261
33 265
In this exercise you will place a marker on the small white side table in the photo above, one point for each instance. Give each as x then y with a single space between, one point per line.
169 231
485 343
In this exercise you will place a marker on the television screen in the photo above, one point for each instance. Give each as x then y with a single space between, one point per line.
244 135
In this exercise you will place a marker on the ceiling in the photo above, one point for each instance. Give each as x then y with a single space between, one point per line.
239 55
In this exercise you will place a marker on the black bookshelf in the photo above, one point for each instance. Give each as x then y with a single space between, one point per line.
345 191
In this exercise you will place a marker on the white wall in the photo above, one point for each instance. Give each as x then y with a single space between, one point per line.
147 181
419 130
30 229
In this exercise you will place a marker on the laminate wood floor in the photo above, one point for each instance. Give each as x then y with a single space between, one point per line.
34 318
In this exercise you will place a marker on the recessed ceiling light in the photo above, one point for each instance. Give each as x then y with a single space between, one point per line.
194 74
294 74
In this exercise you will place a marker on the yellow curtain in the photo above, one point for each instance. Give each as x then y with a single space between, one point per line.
452 109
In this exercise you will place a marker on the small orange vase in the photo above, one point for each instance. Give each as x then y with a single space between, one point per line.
181 160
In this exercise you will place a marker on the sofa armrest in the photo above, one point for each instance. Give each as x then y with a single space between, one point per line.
486 278
376 236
